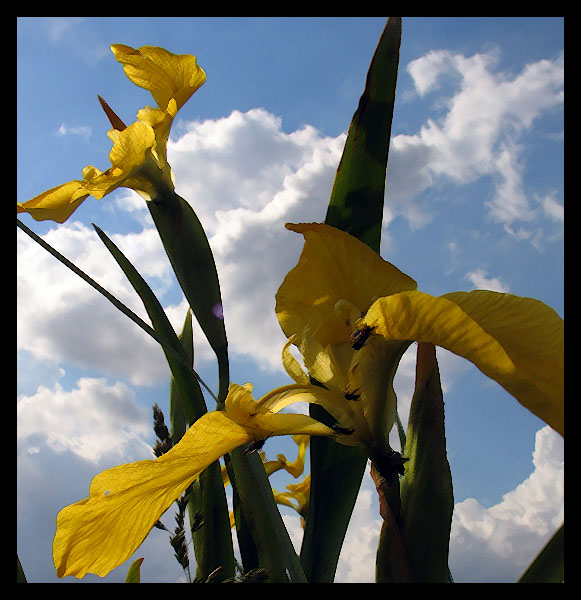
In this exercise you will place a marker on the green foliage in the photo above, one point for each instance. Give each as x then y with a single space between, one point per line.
355 206
20 576
549 565
427 499
415 490
356 203
134 572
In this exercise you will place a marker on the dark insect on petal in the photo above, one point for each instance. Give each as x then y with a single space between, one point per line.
256 445
351 395
359 337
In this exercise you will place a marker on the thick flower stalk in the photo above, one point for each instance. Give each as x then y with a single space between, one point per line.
139 154
352 315
97 534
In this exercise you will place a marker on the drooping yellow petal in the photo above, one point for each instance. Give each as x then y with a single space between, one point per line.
297 497
260 417
56 204
132 166
516 341
334 266
165 75
291 364
297 467
100 532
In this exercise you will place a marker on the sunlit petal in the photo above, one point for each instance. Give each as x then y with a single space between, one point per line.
516 341
166 75
100 532
291 364
56 204
333 402
333 266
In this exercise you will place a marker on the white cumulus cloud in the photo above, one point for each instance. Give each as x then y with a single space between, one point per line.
484 113
92 420
497 544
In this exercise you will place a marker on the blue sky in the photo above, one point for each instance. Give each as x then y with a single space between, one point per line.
474 200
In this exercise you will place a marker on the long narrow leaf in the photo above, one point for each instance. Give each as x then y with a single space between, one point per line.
355 206
20 576
134 572
427 499
207 505
212 535
275 551
190 255
189 390
177 413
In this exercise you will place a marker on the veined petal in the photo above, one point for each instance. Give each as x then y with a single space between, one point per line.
291 364
130 146
56 204
516 341
333 266
164 74
100 532
160 121
131 166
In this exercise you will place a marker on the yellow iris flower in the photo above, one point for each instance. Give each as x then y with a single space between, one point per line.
352 315
97 534
139 154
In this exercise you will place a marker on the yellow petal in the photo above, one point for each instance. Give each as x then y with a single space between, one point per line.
160 121
56 204
167 76
131 166
100 532
260 419
333 266
516 341
297 467
291 364
130 146
334 403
